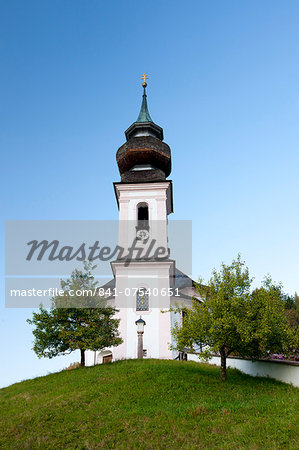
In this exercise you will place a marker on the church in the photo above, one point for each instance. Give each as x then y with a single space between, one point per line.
144 289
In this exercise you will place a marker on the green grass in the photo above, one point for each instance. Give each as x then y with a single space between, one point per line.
149 404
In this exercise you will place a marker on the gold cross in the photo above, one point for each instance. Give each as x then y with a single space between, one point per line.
144 77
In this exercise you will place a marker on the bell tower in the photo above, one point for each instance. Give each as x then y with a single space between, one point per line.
144 196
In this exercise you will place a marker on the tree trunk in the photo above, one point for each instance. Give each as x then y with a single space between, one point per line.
82 357
223 363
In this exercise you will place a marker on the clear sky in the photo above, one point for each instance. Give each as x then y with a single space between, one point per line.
223 84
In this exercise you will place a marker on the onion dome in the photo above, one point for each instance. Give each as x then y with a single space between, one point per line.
144 157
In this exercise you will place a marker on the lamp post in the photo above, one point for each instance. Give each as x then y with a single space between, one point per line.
140 330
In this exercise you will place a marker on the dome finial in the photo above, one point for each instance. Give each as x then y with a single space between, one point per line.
144 115
144 77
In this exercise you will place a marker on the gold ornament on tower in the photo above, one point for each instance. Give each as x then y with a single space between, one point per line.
144 77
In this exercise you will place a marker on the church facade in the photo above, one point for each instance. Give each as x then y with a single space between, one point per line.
148 283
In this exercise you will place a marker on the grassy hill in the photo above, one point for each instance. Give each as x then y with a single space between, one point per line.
149 404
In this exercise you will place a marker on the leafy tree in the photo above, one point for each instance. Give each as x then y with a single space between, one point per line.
78 319
232 319
292 310
289 301
271 330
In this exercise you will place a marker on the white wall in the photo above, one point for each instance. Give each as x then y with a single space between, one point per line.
288 373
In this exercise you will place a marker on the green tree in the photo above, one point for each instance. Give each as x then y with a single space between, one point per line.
292 310
232 319
78 319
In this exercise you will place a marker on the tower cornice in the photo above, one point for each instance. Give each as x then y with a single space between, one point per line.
145 187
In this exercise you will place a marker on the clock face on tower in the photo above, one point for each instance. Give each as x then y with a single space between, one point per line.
142 235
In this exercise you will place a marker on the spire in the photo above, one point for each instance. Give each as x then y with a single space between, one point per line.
144 125
144 157
144 115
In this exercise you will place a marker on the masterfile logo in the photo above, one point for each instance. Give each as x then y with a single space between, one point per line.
39 253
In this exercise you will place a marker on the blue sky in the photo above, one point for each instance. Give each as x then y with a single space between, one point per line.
223 84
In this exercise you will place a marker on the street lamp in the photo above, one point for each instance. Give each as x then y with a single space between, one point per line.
140 330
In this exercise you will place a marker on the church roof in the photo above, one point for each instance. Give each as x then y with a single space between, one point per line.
181 281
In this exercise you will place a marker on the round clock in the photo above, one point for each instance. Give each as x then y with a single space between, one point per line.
142 235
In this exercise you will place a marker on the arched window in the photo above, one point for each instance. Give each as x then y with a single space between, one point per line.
142 300
142 216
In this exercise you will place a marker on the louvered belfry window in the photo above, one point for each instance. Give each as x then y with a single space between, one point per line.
142 216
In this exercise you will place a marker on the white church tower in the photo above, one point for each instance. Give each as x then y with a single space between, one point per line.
147 281
144 198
